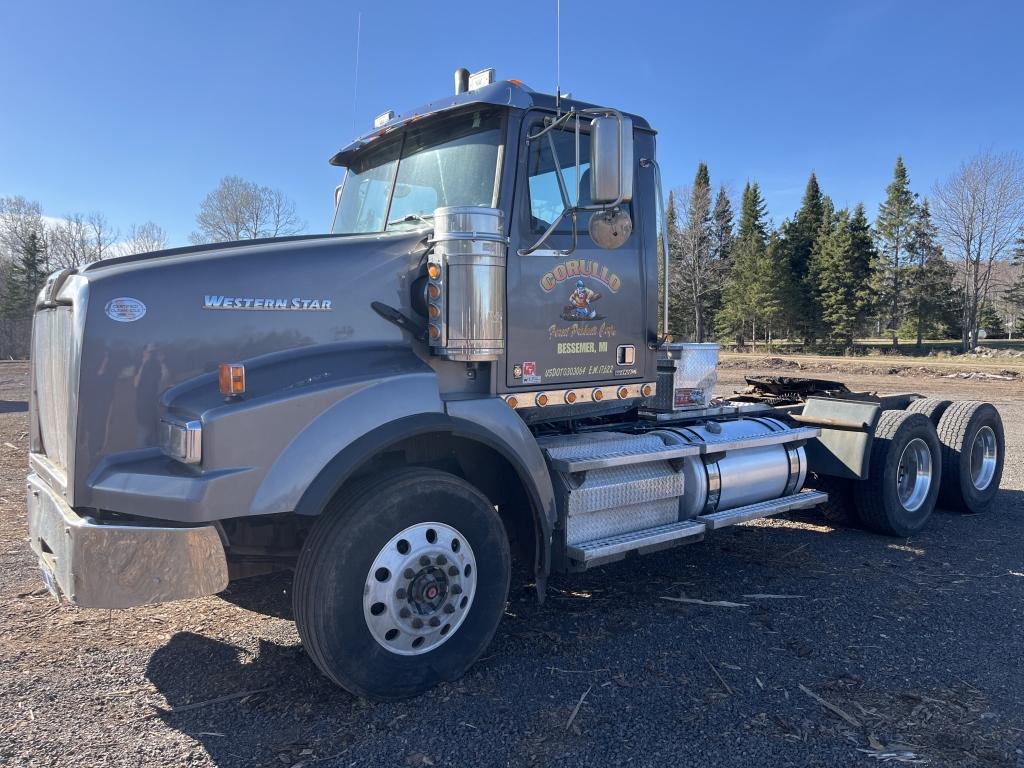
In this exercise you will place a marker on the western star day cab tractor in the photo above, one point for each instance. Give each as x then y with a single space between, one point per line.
468 369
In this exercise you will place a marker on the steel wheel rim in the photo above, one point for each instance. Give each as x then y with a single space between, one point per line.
419 588
984 457
914 474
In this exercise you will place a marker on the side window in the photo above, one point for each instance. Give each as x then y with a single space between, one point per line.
545 197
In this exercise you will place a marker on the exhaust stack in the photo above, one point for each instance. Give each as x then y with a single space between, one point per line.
461 80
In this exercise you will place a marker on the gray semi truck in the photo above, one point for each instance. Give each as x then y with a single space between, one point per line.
469 370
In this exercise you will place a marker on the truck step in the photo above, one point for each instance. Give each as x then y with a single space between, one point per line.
612 547
722 444
623 458
803 500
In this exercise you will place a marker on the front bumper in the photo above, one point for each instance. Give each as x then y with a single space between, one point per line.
101 565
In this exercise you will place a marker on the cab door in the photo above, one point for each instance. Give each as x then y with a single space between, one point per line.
577 319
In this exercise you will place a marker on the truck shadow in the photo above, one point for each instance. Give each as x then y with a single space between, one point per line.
270 594
13 406
266 702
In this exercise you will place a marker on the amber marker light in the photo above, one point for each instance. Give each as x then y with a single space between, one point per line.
435 332
623 393
598 395
570 397
434 311
512 402
542 400
433 291
433 270
647 390
232 379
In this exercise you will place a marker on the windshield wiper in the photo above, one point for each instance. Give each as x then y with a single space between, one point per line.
412 217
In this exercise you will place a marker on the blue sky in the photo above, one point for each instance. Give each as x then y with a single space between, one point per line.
137 109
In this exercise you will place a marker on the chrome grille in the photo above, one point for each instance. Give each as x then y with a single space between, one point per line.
53 351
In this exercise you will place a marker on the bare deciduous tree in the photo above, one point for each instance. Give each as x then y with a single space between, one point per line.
80 239
979 211
143 238
19 220
243 210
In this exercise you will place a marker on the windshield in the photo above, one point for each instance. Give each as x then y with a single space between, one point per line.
452 161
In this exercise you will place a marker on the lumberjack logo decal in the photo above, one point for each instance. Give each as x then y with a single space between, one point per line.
577 268
580 300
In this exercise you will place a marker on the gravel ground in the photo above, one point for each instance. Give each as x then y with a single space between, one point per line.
878 643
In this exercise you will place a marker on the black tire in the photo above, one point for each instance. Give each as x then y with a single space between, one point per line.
335 564
877 497
838 510
960 429
932 407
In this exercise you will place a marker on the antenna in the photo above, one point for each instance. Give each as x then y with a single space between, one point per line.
558 55
355 87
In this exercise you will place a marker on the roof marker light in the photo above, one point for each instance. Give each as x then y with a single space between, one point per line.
481 78
383 118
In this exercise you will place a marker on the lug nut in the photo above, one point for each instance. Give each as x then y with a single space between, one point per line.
405 613
400 593
456 589
424 560
441 559
435 622
449 608
417 623
408 573
453 571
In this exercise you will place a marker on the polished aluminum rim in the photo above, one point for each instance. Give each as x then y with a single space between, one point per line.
984 457
914 474
420 588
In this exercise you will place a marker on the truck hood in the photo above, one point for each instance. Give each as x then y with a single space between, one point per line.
157 320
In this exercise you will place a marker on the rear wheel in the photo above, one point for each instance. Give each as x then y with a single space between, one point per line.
899 494
401 584
932 407
972 440
838 510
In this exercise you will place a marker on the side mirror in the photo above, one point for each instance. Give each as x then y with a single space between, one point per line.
611 160
337 194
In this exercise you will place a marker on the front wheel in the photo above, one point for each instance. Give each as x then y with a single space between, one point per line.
401 584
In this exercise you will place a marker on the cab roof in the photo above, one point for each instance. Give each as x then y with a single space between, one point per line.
505 93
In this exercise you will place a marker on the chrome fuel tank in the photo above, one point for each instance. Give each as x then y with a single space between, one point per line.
720 481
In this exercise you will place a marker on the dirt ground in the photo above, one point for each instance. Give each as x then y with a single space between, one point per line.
834 647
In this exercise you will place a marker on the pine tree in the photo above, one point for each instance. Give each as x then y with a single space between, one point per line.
799 236
840 278
864 257
25 278
750 300
1015 294
676 307
698 268
722 237
893 230
929 277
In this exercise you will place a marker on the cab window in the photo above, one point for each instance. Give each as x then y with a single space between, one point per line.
545 198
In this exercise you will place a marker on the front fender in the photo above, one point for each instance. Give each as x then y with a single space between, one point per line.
289 483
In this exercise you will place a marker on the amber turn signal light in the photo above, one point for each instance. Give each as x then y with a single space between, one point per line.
433 270
232 379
